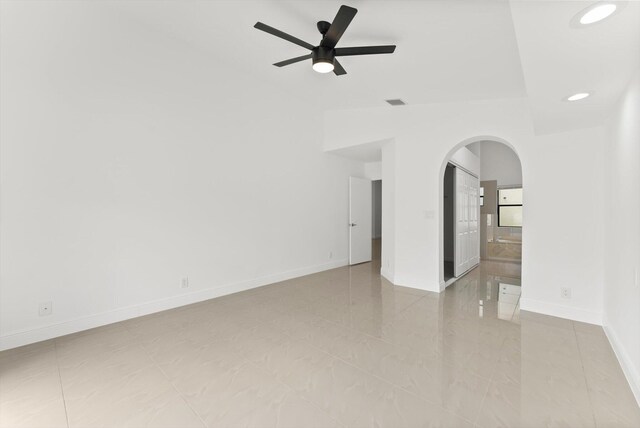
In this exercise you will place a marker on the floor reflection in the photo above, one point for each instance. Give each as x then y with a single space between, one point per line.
495 286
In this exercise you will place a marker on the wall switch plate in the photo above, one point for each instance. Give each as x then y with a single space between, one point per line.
45 309
565 293
184 283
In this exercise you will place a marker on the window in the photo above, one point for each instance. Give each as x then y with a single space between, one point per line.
510 207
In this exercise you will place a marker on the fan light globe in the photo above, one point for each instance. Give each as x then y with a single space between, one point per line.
323 67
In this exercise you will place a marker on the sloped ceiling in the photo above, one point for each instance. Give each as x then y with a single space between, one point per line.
560 60
447 51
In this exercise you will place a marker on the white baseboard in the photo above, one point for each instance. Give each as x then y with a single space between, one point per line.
560 311
445 284
630 371
26 337
387 275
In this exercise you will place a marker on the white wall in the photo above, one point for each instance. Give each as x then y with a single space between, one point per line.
373 170
465 158
622 226
556 253
130 160
498 162
388 256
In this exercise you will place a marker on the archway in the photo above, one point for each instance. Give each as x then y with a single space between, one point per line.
479 228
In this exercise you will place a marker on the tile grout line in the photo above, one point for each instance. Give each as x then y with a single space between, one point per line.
247 361
393 385
64 400
305 306
342 327
278 331
264 370
379 378
486 394
359 369
364 333
167 379
584 374
396 386
390 343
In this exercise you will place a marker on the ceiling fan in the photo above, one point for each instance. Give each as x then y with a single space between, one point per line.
324 55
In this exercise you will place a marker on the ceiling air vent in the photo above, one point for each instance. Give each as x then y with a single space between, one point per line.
397 102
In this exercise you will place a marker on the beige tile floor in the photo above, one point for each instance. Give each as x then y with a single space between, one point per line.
342 348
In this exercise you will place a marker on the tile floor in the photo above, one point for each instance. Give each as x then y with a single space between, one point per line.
342 348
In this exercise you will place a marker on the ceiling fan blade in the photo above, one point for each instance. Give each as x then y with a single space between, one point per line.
338 69
282 35
338 26
365 50
292 60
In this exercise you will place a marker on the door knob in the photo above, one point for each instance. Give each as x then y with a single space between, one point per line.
352 224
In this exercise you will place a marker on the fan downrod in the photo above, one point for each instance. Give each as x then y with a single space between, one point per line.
323 27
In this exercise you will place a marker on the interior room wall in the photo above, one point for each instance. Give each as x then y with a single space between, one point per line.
499 162
557 254
388 256
125 167
622 237
465 158
373 170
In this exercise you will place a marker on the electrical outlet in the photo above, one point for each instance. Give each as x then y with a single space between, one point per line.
45 309
330 254
185 282
565 293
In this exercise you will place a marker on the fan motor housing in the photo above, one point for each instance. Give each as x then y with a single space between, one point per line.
323 54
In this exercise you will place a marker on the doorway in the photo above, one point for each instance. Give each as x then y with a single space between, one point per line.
365 220
461 213
448 203
376 219
360 219
482 196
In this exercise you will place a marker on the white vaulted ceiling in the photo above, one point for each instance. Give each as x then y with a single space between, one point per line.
559 60
447 51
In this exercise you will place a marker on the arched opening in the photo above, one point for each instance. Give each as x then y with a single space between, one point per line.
481 194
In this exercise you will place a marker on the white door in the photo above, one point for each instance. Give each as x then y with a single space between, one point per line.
467 213
359 220
474 221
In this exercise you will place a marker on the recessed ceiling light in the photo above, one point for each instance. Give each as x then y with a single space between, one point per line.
598 13
595 13
578 96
